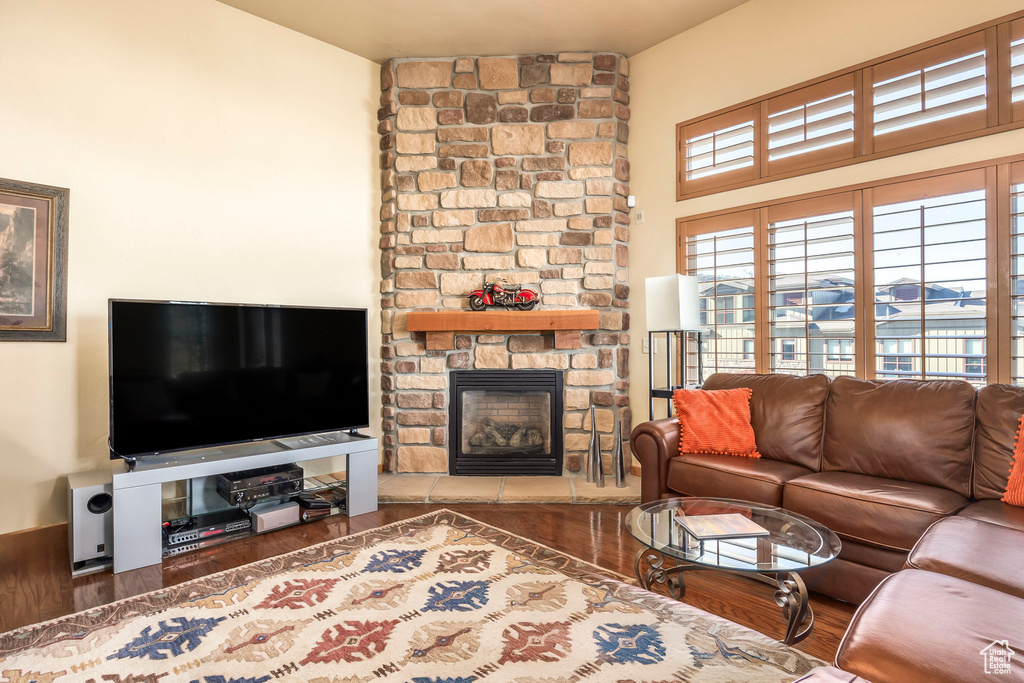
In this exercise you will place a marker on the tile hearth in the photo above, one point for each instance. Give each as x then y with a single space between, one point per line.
417 488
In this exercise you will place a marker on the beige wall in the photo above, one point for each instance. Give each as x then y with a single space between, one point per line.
211 156
730 59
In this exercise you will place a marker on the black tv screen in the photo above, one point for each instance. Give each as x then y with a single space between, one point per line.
191 375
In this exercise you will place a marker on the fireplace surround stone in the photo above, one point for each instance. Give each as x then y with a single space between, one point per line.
512 167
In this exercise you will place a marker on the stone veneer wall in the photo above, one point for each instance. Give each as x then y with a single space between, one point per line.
513 167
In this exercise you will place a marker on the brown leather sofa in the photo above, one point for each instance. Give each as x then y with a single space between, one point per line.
878 462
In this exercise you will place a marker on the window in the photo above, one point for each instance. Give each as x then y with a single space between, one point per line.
943 91
840 350
919 278
930 274
811 296
720 253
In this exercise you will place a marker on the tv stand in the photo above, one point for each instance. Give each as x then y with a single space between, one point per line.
138 486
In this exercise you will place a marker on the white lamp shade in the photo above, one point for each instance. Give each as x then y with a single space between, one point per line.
672 303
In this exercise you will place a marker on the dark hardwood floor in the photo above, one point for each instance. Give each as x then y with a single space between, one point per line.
36 582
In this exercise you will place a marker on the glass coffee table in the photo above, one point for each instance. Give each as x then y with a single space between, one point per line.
793 544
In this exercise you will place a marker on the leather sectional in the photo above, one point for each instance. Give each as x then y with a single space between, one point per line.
909 474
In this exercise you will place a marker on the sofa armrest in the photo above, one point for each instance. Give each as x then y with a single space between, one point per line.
653 444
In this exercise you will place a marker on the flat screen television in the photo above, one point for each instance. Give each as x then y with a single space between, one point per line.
189 375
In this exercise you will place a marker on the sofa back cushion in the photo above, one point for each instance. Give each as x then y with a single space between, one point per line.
912 430
786 412
999 409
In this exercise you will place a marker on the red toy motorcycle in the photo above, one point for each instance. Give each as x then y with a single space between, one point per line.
509 297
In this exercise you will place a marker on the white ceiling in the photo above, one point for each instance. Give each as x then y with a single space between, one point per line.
380 29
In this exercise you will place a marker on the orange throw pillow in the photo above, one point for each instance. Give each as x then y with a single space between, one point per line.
1015 486
716 421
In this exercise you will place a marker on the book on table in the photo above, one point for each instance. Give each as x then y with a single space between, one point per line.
710 527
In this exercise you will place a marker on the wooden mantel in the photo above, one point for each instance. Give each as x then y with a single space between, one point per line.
441 326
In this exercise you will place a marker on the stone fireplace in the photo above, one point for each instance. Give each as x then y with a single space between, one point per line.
512 167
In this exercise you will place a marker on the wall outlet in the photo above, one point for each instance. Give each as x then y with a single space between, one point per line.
639 216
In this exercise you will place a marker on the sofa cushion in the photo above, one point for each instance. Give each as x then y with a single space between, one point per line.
884 512
715 421
976 551
729 476
995 512
830 674
908 430
999 409
786 412
920 626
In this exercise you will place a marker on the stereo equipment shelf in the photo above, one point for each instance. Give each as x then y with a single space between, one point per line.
441 326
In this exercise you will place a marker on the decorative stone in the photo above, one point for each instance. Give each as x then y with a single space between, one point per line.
530 343
435 181
576 239
590 153
477 173
551 175
564 255
532 258
488 262
574 56
599 205
514 199
543 163
416 299
596 109
414 143
605 79
621 255
549 225
542 240
507 180
514 115
495 215
552 361
410 349
475 151
470 134
491 357
412 97
542 95
597 282
443 261
589 172
408 262
577 399
460 284
622 170
481 109
489 238
571 74
387 75
498 73
568 208
552 112
432 365
425 74
604 358
417 118
599 187
465 82
611 320
405 164
588 377
417 202
422 458
584 361
517 139
591 93
414 434
566 95
464 65
622 362
458 199
554 190
459 361
450 117
599 268
416 280
557 287
515 278
435 236
516 97
533 74
444 219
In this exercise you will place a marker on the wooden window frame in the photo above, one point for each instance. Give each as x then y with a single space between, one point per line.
998 175
1000 115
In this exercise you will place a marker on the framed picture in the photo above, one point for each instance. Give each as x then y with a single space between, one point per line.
33 262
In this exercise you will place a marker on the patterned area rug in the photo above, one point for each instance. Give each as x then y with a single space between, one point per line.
435 599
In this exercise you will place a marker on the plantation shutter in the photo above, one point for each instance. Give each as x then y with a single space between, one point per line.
931 94
1017 273
1017 69
930 278
719 151
811 126
720 252
812 287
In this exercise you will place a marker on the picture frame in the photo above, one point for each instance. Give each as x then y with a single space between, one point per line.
33 261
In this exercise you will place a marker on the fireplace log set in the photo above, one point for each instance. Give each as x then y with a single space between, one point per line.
492 436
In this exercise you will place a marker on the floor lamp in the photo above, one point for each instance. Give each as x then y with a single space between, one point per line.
673 307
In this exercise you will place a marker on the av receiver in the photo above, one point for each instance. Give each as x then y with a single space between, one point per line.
249 486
